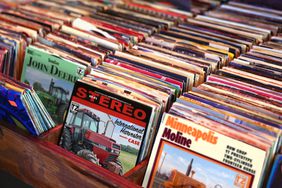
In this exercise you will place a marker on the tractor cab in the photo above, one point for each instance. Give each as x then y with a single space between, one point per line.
58 92
81 122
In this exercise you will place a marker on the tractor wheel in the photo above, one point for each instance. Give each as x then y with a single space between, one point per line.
66 139
88 155
121 167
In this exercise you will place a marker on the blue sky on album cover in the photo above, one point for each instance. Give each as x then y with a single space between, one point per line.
206 172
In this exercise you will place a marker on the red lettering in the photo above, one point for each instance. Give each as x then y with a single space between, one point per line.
127 109
116 105
133 142
139 114
81 92
93 96
110 103
104 101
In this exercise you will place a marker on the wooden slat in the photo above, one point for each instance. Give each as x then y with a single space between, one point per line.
43 164
52 135
136 174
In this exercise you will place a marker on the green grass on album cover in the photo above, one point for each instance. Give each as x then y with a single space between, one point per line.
128 160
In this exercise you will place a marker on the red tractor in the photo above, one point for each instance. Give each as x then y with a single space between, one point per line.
87 136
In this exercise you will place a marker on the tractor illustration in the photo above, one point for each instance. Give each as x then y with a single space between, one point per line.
89 137
178 179
55 100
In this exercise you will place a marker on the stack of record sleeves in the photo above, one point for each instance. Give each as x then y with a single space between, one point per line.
232 122
21 107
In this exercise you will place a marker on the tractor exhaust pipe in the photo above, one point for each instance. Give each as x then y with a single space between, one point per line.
188 172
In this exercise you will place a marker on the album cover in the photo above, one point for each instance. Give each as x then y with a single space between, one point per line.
53 78
106 128
181 157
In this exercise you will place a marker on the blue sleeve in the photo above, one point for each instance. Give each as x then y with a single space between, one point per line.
181 4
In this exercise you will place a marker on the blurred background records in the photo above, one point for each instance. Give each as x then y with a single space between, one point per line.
249 15
13 41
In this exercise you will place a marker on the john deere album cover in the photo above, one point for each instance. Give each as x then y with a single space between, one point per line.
53 78
105 128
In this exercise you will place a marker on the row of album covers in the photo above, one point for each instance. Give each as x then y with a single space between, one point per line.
199 94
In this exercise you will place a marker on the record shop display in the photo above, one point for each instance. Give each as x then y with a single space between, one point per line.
194 94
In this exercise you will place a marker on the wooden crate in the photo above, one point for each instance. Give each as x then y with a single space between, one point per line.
41 163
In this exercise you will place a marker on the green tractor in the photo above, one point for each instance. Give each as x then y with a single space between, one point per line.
55 101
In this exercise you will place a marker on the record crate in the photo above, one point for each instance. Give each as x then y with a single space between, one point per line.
40 162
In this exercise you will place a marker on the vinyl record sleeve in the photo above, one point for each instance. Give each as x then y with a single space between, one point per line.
185 147
275 177
245 113
53 79
118 129
229 116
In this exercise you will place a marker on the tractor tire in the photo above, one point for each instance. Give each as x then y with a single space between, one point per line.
88 155
121 167
66 139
